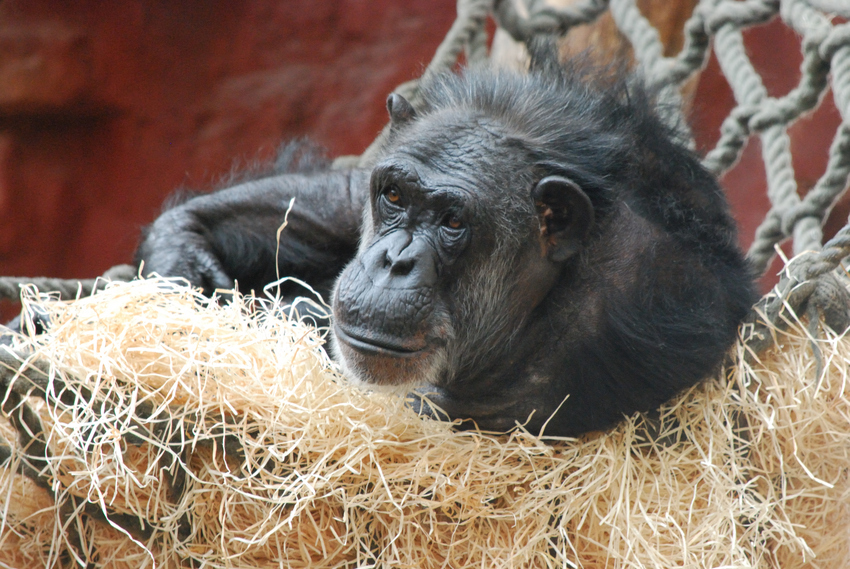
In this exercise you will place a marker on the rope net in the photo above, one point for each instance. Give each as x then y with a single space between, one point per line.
151 428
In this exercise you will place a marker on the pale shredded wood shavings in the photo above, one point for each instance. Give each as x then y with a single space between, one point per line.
227 431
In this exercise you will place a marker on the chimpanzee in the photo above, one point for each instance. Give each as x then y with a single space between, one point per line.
531 248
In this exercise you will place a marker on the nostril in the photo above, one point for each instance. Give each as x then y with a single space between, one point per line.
402 267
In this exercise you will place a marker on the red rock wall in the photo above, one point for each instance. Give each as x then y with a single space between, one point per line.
106 107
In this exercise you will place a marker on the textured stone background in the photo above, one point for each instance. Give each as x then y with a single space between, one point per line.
107 107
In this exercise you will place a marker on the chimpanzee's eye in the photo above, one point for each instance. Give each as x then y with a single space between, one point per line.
392 194
453 231
453 222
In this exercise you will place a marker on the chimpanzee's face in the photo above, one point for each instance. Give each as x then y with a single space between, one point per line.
453 257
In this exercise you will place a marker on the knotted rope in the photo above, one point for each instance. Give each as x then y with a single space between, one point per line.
10 287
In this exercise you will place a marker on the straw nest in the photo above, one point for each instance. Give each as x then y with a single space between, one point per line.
193 435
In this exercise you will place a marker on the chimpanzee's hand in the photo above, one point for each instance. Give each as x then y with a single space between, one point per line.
178 245
235 236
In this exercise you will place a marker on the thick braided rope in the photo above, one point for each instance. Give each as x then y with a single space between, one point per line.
834 47
471 15
830 257
14 362
789 215
750 92
807 286
542 19
10 287
771 117
756 111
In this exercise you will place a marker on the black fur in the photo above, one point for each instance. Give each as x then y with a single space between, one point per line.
529 243
227 237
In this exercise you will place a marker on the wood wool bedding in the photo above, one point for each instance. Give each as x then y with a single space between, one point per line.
181 433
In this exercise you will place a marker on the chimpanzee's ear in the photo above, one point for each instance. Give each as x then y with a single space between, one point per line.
566 216
401 111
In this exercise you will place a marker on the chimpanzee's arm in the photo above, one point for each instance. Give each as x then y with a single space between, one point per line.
231 235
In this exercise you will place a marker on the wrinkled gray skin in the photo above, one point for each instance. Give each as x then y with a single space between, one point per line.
523 245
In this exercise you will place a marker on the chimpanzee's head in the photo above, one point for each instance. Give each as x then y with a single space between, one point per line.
468 226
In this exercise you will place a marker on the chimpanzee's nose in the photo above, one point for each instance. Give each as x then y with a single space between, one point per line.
401 262
404 261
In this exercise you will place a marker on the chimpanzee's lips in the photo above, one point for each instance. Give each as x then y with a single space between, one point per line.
375 346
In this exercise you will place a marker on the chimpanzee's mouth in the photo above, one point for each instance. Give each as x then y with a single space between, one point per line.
374 346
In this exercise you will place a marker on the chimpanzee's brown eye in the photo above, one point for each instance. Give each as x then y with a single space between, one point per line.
392 194
452 221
